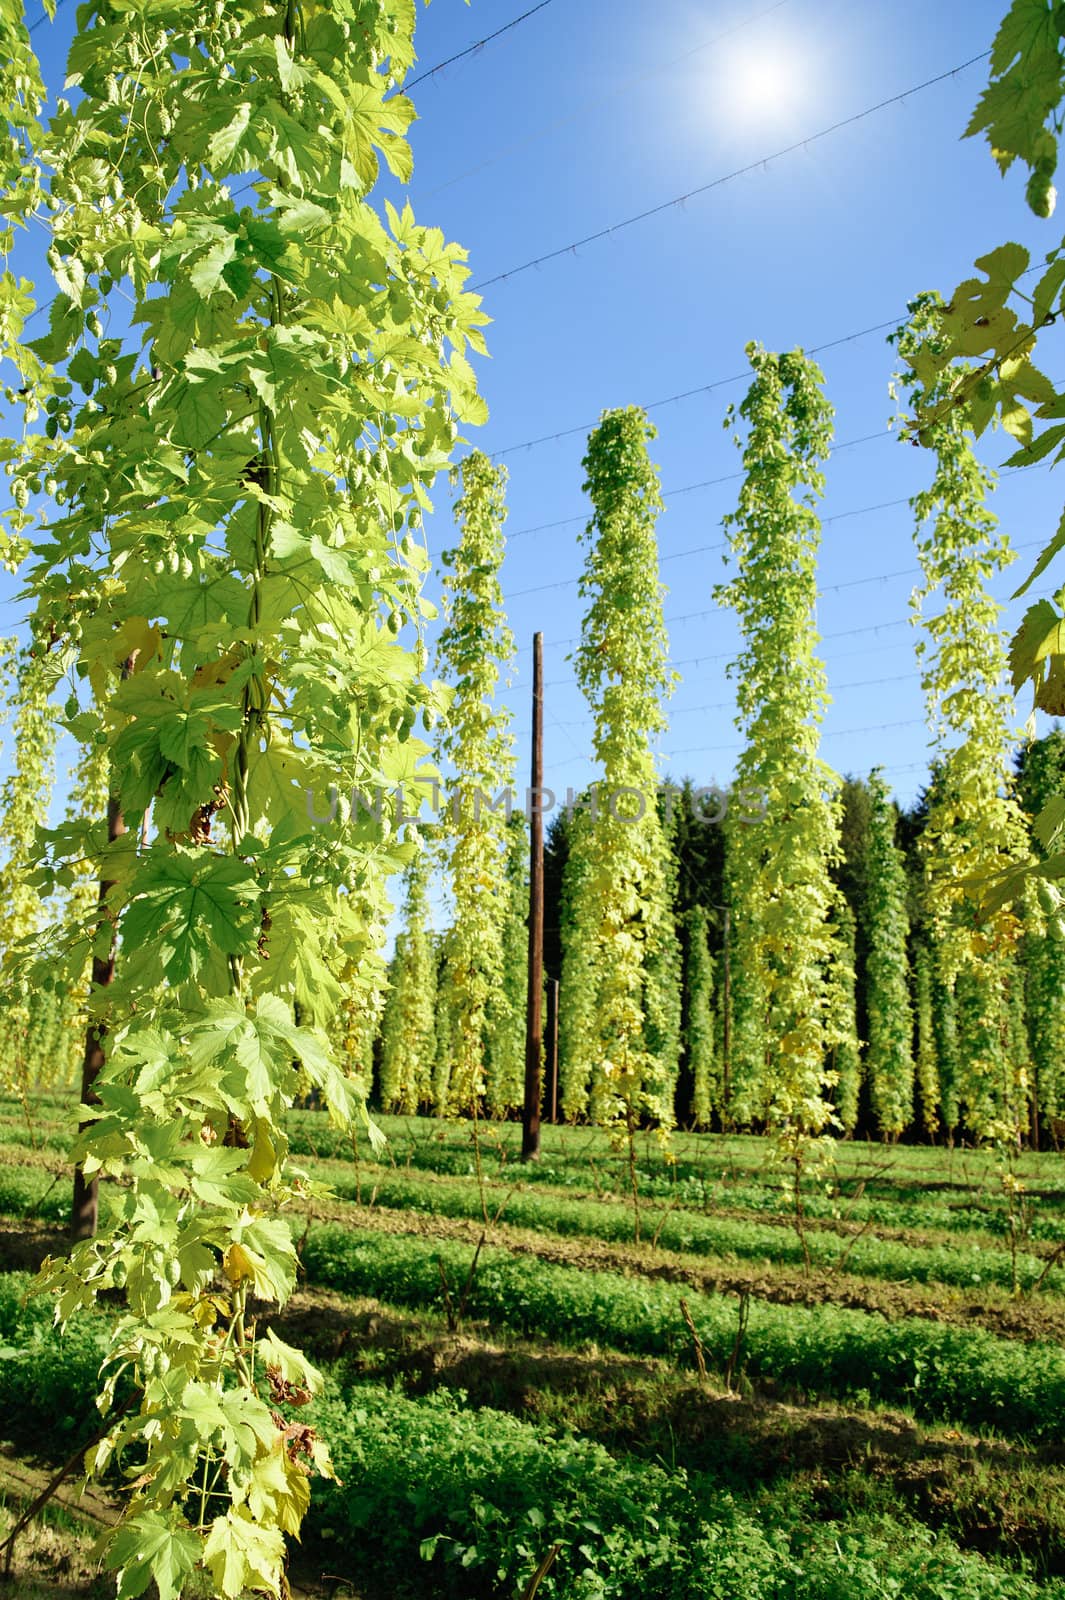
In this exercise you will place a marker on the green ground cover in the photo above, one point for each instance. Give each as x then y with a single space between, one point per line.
859 1454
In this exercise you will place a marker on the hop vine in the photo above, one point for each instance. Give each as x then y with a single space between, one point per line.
889 1055
475 651
780 886
619 914
975 830
231 506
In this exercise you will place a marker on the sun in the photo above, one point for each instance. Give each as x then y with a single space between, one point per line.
773 80
765 83
773 83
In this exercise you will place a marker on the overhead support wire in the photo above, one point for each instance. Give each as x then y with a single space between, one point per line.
472 50
718 383
535 134
690 394
46 18
690 488
1005 473
831 733
728 705
728 177
835 588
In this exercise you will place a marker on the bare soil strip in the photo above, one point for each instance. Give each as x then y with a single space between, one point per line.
990 1308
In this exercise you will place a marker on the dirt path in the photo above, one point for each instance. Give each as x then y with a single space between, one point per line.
24 1244
843 1227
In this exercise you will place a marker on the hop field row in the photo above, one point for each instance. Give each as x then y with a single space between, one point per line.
937 1369
962 1240
460 1500
438 1497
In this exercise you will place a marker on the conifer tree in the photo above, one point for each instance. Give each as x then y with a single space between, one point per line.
694 817
556 854
889 1052
475 650
408 1026
619 917
699 1021
845 1058
745 1096
926 1061
1041 776
506 1007
779 868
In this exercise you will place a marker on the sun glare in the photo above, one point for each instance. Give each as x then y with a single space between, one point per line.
763 84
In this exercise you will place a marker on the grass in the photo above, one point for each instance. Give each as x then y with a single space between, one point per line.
860 1454
481 1496
976 1257
939 1370
960 1265
991 1494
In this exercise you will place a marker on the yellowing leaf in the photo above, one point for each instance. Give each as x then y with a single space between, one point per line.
240 1553
279 1490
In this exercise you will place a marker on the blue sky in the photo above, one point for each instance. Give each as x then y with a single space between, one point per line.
592 110
584 115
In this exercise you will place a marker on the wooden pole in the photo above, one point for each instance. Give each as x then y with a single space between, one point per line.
552 1043
530 1123
85 1203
